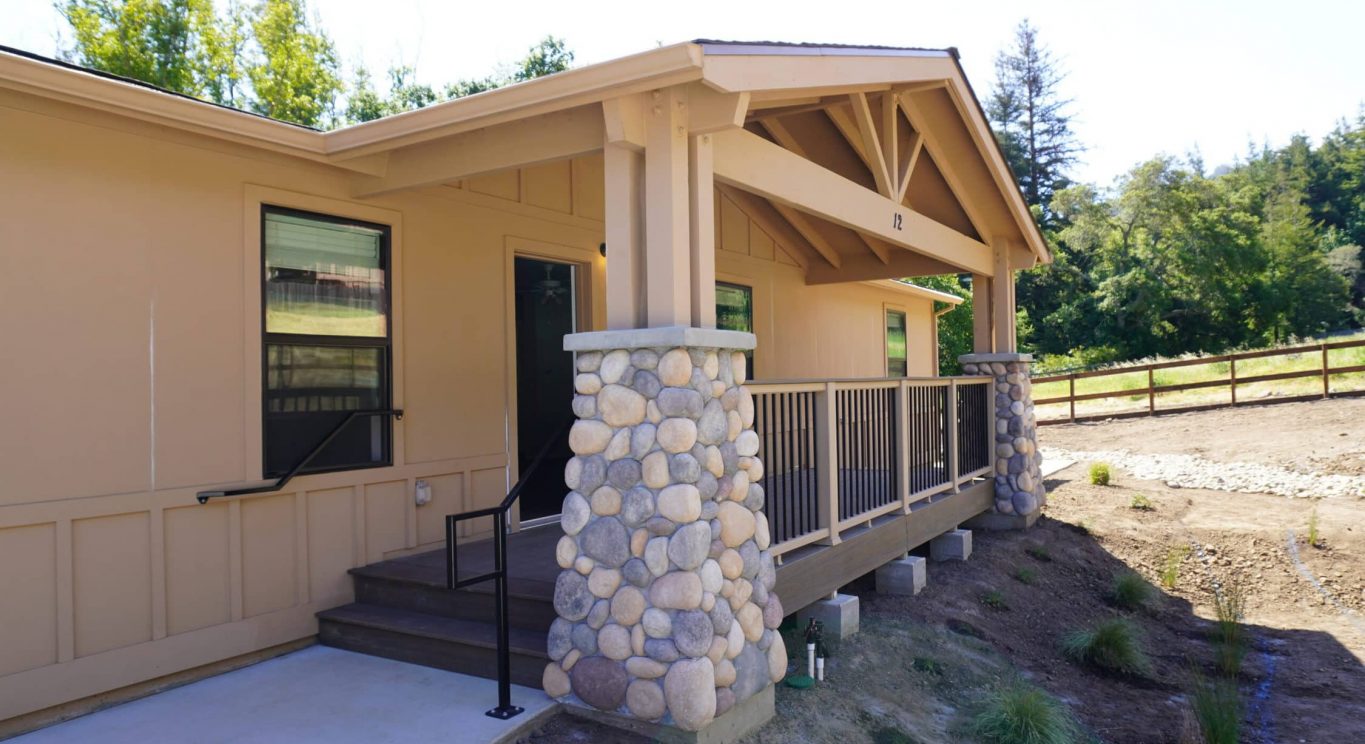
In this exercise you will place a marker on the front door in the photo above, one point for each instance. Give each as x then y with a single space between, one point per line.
547 306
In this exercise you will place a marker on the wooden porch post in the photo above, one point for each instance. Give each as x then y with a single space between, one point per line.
1002 300
624 179
983 340
668 278
702 230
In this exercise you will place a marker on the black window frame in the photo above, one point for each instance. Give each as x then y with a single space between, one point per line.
749 290
384 344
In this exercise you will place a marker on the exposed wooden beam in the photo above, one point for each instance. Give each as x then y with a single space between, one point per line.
702 230
783 136
865 267
518 144
749 162
945 165
709 110
867 129
908 167
668 280
891 119
803 226
842 119
878 248
623 183
624 121
771 222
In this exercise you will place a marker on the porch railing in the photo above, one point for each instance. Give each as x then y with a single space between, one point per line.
840 453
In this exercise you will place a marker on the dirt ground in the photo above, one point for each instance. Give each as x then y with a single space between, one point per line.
921 666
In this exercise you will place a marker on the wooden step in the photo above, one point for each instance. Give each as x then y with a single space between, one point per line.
457 645
399 586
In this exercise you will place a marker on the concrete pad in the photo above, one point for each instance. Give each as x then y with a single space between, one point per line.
906 576
1053 465
319 695
839 616
951 546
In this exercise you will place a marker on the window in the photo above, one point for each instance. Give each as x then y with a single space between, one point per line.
735 312
325 315
895 344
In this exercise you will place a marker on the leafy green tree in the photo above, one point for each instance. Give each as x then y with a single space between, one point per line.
156 41
954 328
549 56
296 77
221 57
1030 118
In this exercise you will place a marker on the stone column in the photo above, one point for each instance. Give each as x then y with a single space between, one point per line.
1019 489
665 602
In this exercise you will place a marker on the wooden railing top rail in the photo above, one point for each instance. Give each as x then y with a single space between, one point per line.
1197 361
798 385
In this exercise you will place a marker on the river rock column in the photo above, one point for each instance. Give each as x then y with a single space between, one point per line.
1018 464
665 602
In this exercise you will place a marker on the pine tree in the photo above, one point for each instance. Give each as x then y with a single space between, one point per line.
1030 118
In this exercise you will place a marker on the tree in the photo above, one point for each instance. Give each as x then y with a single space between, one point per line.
156 41
1030 119
954 328
296 76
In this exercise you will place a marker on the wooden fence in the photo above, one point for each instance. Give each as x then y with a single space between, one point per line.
1231 382
839 453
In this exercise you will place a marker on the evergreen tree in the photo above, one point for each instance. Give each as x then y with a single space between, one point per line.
1030 118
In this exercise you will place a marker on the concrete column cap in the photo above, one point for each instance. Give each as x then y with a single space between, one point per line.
1004 357
656 338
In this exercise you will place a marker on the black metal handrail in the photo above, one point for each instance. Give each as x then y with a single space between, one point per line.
282 481
505 709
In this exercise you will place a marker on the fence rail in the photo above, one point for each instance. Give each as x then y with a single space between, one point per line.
1151 390
840 453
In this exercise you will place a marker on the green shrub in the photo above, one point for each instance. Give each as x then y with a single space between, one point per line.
1025 575
1314 537
1218 710
994 600
1130 591
1099 473
1170 569
1039 553
1141 503
1112 645
1023 714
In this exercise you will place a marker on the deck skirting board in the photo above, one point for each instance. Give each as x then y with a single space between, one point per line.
812 573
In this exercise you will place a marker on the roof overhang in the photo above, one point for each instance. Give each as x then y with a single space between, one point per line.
773 76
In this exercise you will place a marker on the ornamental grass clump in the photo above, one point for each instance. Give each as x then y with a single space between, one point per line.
1130 591
1140 502
1112 646
1230 638
1218 709
1023 714
1170 568
1099 474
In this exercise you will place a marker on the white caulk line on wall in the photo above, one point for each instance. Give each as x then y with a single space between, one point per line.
1346 612
151 388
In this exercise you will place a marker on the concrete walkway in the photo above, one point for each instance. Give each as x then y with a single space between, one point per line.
318 694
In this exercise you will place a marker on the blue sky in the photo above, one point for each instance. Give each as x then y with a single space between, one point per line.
1159 76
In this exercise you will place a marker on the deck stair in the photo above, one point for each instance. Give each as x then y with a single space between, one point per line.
403 610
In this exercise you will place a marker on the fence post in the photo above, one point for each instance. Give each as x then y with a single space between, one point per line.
1151 392
1326 382
827 460
953 467
1232 377
1072 396
903 443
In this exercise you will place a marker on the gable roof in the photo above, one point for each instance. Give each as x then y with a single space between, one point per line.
770 71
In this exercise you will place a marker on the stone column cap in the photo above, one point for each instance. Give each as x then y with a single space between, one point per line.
655 338
1002 357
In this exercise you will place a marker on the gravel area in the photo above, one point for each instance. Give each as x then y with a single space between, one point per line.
1193 471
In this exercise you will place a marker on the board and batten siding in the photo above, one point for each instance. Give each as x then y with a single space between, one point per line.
129 305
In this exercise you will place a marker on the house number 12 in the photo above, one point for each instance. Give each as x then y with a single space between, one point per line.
896 221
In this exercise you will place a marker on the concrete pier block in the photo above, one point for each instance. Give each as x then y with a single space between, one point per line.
906 576
839 615
951 546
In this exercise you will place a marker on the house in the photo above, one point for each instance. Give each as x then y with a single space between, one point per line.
685 259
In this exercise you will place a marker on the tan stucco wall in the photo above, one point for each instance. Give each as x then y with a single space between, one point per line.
129 305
